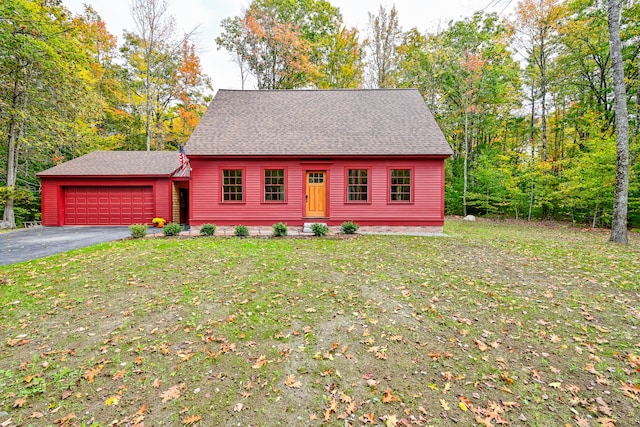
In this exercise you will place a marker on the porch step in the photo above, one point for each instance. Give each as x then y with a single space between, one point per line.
307 226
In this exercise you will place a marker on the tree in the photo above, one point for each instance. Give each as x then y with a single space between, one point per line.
538 23
192 87
384 39
477 86
620 199
286 45
155 32
45 91
342 65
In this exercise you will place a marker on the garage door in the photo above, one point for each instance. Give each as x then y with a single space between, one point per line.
108 205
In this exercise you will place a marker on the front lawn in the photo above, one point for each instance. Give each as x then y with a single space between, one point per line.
496 324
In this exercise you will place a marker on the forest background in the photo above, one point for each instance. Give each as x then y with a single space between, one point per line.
526 102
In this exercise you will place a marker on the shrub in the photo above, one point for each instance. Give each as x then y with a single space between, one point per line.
138 231
319 229
349 227
241 231
280 229
172 229
207 229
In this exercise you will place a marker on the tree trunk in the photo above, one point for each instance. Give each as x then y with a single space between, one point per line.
636 127
621 195
8 215
148 109
466 157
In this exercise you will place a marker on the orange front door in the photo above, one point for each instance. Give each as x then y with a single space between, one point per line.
316 194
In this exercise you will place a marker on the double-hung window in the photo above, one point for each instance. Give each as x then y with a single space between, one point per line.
274 185
400 186
358 185
232 185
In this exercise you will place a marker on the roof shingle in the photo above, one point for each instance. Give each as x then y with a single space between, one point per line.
118 163
318 122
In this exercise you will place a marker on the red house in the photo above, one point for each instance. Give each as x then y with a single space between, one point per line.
375 157
372 156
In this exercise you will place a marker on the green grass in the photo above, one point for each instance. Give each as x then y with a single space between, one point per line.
497 323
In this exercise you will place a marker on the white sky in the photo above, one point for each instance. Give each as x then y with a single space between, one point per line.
207 14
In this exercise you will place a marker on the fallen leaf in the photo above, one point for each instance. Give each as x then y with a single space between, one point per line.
388 397
19 403
583 422
191 419
171 394
391 421
482 346
238 407
603 407
607 422
444 405
291 382
65 420
113 400
262 360
91 373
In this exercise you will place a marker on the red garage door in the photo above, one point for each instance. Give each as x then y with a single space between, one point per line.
108 205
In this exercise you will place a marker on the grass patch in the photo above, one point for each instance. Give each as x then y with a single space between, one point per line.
496 324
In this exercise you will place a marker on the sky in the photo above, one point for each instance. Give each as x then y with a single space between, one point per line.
205 15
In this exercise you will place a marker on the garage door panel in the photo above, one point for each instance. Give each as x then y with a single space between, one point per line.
108 205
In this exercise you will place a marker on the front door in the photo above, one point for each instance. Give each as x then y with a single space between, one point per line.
316 194
184 205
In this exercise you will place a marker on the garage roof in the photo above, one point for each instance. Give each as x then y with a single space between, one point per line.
378 122
118 163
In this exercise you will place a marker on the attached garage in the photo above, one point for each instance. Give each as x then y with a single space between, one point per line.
112 188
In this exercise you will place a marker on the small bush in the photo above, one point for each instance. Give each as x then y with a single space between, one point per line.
280 229
319 229
349 227
172 229
207 229
138 231
241 231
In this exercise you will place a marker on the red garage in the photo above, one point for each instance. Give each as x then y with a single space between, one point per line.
115 188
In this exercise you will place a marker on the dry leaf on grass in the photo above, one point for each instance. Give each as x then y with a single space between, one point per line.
262 360
291 382
191 419
171 394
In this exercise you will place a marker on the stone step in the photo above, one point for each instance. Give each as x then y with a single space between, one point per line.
307 226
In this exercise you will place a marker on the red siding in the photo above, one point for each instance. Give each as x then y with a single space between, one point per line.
55 212
426 208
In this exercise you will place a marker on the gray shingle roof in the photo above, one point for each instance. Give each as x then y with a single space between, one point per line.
318 122
118 163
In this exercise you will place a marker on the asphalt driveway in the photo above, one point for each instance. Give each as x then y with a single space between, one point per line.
38 242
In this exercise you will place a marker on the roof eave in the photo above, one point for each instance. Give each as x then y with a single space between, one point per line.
110 176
